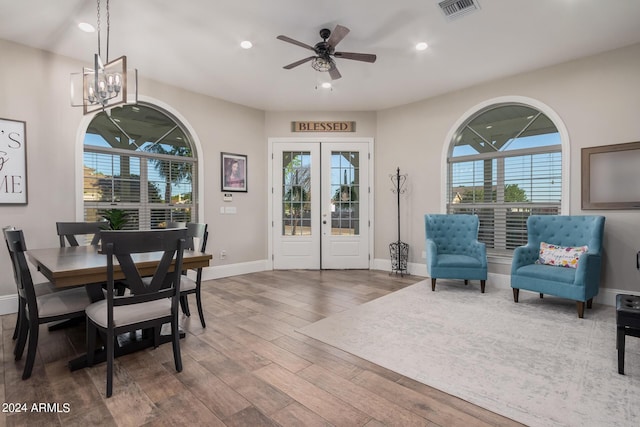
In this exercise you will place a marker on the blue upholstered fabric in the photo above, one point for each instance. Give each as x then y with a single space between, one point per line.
579 284
453 249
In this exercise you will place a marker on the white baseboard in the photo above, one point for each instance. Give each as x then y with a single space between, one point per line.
607 296
8 304
220 271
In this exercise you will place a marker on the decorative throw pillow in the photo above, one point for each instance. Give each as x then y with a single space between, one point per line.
561 256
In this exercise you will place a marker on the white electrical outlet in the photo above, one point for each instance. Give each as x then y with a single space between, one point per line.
223 254
424 255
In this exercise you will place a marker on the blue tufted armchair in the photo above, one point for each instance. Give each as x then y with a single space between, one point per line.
580 284
453 249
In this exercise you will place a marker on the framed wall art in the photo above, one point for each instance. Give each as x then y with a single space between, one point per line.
13 162
234 172
610 176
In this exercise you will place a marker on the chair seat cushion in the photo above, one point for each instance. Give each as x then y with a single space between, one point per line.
63 302
129 314
187 284
462 261
548 272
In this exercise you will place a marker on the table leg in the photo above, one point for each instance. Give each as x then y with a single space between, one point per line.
131 347
620 344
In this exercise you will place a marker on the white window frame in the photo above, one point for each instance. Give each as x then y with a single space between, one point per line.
198 186
472 112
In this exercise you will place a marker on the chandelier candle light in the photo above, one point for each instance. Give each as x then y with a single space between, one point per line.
106 85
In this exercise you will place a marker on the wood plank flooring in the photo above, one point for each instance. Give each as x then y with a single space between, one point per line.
249 367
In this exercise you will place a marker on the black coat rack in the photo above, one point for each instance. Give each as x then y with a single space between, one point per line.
399 250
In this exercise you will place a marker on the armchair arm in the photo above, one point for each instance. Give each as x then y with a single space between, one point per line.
432 252
478 250
523 255
588 272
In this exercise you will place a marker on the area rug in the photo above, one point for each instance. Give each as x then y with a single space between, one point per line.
535 361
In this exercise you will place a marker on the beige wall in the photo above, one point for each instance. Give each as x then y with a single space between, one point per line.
34 87
596 97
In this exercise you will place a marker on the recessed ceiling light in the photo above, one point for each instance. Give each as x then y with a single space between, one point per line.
421 46
326 85
86 27
246 44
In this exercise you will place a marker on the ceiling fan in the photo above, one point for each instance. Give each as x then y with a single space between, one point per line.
325 50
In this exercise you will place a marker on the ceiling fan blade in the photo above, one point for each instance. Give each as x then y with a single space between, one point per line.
296 42
365 57
334 73
295 64
337 35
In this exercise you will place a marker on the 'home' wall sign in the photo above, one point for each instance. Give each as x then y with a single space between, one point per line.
13 162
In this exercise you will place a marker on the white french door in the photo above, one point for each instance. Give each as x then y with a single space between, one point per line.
320 205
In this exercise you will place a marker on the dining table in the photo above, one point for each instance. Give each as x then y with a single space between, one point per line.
73 266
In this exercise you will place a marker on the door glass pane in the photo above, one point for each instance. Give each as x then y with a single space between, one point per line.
296 193
345 188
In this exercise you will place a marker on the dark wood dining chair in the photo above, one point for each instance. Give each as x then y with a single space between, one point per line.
37 310
152 302
69 232
187 284
15 277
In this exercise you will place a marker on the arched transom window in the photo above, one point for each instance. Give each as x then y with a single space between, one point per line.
505 164
140 161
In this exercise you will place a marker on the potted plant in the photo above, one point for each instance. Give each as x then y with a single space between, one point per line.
117 218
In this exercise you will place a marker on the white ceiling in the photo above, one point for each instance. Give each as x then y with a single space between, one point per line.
194 44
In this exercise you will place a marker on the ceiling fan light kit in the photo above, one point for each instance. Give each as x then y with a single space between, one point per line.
325 51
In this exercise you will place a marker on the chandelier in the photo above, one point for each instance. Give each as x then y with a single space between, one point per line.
106 85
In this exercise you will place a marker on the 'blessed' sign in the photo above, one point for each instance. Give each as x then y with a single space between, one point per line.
323 126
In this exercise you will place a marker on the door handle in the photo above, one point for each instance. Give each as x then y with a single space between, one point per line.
324 222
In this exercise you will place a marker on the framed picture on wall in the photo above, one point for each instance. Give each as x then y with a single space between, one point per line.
234 172
13 162
610 176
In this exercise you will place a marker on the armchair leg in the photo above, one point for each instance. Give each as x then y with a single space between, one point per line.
433 284
466 282
516 293
482 283
580 305
541 296
590 303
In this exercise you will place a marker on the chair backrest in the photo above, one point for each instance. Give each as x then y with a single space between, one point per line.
452 233
194 231
11 256
124 245
24 282
70 230
566 230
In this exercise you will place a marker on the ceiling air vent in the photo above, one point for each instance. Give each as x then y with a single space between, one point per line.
455 8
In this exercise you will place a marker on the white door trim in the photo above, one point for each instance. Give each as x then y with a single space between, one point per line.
271 141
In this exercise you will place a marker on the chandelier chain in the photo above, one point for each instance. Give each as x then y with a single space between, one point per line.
99 53
108 28
99 30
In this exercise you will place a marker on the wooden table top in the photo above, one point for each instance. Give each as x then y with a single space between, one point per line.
82 265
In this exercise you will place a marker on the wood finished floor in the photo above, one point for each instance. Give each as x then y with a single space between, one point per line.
249 367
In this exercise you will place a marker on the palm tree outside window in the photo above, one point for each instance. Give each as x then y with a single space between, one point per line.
140 160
